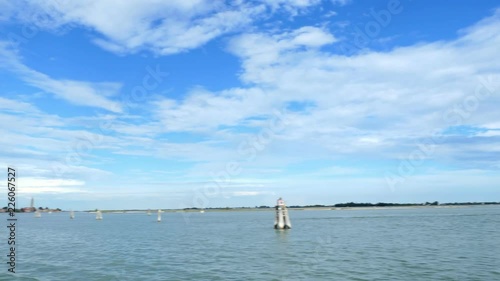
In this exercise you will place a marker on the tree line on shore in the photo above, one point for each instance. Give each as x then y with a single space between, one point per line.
30 210
338 205
354 204
383 204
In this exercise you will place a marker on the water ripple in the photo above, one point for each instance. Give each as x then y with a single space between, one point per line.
418 244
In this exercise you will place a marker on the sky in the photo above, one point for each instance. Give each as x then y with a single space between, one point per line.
197 103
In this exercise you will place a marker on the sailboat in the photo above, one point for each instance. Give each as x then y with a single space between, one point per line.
202 211
159 216
71 214
98 215
38 214
149 212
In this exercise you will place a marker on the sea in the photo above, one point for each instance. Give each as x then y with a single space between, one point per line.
428 243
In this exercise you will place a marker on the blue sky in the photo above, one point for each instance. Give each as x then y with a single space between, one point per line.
174 104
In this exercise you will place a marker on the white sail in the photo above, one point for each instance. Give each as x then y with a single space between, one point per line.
71 214
149 212
159 216
98 215
38 214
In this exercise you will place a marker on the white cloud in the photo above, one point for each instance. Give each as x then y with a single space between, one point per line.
369 106
78 92
201 110
173 37
29 185
373 103
41 182
493 125
165 27
293 7
330 14
341 2
372 106
6 9
75 92
16 106
309 36
490 133
259 51
248 193
291 3
407 89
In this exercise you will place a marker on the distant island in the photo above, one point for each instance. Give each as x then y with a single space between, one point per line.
31 210
334 206
361 205
382 204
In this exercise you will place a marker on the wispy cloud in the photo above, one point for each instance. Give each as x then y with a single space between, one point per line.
43 185
349 117
76 92
164 27
16 106
248 193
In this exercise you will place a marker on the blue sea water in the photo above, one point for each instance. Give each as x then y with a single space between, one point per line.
370 244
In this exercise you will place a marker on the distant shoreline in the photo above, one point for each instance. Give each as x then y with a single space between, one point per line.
336 207
305 208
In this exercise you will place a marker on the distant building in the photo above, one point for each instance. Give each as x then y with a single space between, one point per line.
31 208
